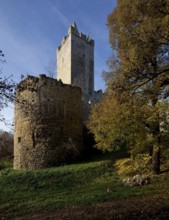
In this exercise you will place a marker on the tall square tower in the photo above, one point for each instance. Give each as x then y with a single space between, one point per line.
75 60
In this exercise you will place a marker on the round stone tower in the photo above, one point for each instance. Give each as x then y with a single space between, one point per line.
48 123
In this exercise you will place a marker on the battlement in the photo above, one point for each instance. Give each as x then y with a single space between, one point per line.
74 30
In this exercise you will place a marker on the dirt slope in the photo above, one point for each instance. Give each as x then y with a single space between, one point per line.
148 207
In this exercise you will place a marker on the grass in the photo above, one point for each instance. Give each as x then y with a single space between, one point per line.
30 192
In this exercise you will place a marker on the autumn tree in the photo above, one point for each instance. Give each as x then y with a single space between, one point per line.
139 32
138 78
122 122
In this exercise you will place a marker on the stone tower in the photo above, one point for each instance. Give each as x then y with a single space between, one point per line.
75 60
48 123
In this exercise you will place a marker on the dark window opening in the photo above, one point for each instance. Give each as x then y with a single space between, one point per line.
19 139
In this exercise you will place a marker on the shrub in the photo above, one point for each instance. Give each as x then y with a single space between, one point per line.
131 166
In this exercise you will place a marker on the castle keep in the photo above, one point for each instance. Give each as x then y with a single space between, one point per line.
75 60
75 66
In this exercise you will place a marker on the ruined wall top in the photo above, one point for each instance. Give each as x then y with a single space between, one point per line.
32 83
74 30
48 123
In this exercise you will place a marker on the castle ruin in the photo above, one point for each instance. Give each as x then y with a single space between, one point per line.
49 113
48 123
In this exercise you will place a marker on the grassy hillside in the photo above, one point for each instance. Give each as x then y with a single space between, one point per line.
47 190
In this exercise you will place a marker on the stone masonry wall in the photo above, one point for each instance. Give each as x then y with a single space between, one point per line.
82 54
64 61
48 123
75 60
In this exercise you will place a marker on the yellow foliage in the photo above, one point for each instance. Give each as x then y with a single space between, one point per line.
130 166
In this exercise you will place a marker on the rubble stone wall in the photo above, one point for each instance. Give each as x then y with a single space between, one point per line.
48 123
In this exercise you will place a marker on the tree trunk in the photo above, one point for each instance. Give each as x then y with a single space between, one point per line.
156 160
157 138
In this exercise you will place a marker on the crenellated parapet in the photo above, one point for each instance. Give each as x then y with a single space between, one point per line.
74 30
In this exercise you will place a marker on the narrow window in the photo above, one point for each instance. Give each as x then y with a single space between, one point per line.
19 139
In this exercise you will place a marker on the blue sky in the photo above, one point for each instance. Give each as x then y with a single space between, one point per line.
31 30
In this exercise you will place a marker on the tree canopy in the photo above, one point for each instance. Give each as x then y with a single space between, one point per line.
134 109
139 32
